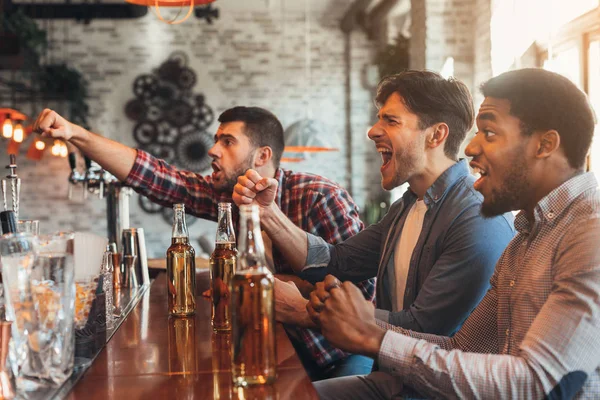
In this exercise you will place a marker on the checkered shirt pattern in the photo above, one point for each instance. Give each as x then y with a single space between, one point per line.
539 324
313 203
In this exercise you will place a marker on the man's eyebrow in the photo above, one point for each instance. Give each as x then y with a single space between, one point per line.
220 136
487 116
386 115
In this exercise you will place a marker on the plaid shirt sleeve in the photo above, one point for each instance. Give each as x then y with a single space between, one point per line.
166 185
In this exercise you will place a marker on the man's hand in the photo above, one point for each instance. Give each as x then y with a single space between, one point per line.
50 124
251 188
347 320
290 306
303 286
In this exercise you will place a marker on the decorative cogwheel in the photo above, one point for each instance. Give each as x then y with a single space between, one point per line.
180 58
145 132
166 93
179 113
186 79
191 151
135 109
202 116
167 153
144 86
170 120
167 133
169 71
153 113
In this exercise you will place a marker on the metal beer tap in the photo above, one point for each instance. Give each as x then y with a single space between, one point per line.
11 188
99 182
14 182
75 177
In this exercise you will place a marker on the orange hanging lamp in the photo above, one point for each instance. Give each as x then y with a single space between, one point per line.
171 3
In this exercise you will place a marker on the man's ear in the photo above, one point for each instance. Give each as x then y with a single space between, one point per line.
548 143
438 135
262 156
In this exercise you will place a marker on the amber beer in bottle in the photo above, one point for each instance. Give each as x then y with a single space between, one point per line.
253 312
222 268
181 268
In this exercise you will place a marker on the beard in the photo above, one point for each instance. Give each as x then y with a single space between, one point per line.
406 162
510 194
229 179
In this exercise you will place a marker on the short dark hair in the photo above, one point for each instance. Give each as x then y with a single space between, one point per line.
433 99
544 100
261 126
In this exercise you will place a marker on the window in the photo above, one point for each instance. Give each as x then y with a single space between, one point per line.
575 53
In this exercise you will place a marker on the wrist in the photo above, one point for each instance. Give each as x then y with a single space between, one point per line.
372 339
79 135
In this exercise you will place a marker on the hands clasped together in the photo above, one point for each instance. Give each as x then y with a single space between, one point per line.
346 319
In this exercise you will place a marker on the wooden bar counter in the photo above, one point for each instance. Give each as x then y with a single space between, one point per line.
152 356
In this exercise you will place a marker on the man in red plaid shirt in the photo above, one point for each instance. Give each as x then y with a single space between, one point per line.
247 137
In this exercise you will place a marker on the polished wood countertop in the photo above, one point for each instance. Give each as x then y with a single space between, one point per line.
153 356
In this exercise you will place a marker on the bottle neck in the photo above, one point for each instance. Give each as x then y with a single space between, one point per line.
225 232
179 226
251 246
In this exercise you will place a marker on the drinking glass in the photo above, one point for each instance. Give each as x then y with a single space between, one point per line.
54 299
29 225
18 252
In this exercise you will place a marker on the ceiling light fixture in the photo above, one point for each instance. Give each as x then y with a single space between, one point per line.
171 3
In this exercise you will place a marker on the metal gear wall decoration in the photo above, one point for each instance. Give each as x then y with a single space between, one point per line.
171 120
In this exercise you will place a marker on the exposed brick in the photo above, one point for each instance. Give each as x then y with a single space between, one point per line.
244 58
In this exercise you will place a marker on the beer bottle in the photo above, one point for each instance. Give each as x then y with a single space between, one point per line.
222 268
181 268
253 307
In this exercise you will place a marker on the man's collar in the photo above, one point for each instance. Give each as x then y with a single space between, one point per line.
444 182
555 203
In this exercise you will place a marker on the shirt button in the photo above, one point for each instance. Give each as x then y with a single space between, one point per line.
550 215
512 283
507 332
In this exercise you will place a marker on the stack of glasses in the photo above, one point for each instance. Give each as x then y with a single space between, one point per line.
47 298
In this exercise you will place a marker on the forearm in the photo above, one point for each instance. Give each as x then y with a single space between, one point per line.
114 157
287 237
434 372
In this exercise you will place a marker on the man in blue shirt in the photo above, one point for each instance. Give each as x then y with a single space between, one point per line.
433 253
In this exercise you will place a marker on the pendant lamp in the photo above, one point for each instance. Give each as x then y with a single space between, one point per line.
171 3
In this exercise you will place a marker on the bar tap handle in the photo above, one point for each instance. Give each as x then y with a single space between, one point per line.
73 175
88 163
4 194
15 183
87 176
73 161
101 193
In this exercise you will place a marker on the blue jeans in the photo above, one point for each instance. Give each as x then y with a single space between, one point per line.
354 364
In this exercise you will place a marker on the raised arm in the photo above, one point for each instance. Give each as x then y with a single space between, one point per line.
114 157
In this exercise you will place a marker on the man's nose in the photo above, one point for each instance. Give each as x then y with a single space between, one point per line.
375 132
473 148
213 151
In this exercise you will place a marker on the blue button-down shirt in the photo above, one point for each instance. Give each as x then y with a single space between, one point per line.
451 263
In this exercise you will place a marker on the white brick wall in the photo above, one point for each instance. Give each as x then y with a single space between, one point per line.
244 58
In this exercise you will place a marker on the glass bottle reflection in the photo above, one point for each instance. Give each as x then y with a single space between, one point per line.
221 366
182 345
257 392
